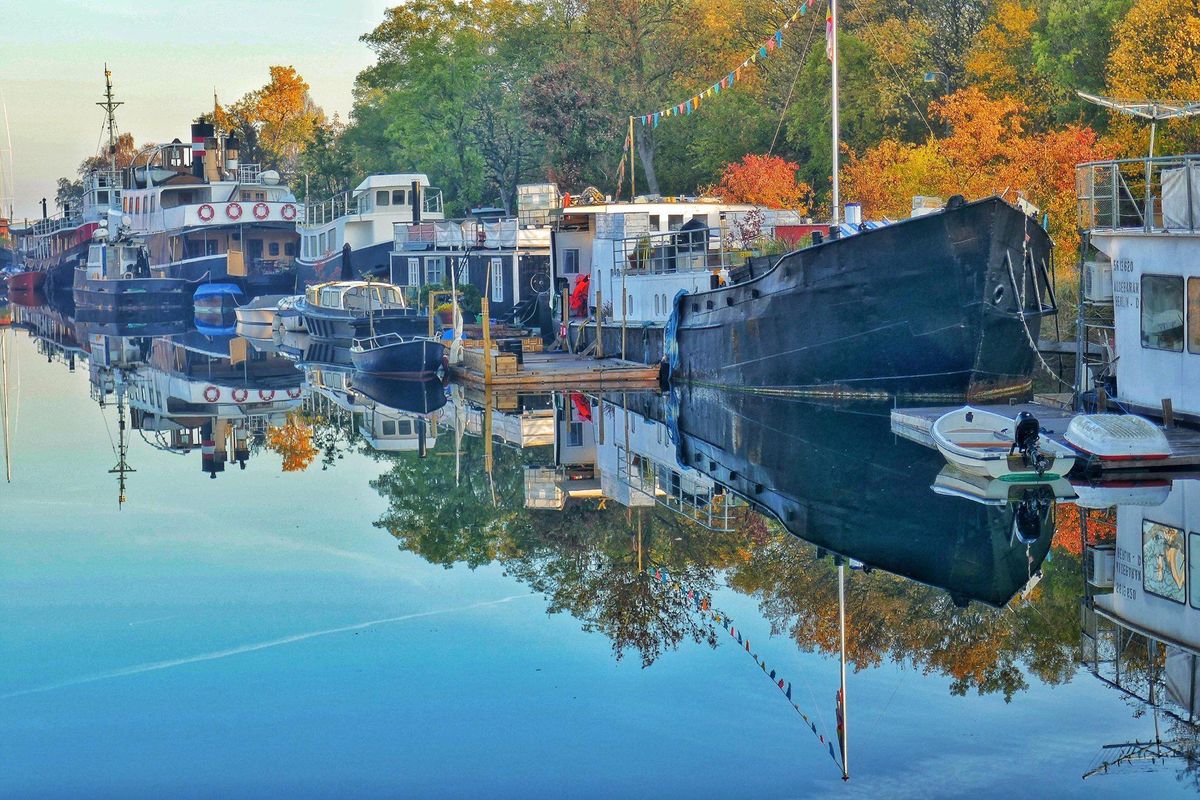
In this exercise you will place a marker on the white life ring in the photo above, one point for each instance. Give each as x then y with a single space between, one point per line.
288 212
261 211
240 395
206 213
212 394
233 211
266 395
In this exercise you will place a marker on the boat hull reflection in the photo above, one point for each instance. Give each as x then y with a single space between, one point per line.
841 481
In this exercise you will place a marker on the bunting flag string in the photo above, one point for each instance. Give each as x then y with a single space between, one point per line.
692 104
703 605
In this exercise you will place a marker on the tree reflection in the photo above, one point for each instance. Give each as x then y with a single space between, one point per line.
589 560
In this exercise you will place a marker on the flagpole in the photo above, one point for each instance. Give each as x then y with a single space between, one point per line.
632 169
842 626
834 58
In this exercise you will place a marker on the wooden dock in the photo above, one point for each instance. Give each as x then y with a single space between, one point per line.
539 371
915 424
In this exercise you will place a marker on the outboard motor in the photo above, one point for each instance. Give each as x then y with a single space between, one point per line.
1025 441
1029 513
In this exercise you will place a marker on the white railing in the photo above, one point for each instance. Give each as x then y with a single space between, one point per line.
340 205
695 250
461 235
1140 193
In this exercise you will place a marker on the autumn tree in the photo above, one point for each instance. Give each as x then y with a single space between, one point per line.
275 123
293 441
765 181
1001 60
1154 57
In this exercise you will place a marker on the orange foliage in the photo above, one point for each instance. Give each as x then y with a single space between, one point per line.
293 441
764 181
988 151
1101 526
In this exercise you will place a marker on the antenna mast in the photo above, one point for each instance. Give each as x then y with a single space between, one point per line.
110 108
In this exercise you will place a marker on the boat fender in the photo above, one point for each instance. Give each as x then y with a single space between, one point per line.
206 213
261 211
234 211
293 393
212 394
288 212
266 395
240 395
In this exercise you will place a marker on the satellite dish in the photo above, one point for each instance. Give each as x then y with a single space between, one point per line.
540 282
270 177
127 220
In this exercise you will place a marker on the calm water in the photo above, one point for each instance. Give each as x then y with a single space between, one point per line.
328 618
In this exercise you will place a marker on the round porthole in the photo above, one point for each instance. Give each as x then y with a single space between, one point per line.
998 294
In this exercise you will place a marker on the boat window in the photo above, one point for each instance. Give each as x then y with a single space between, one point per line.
464 271
571 262
433 271
404 427
656 309
398 197
289 249
497 280
381 198
329 298
273 248
389 427
674 221
575 434
655 222
1162 312
323 242
1193 315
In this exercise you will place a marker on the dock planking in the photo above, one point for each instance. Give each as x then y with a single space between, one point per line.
915 425
560 371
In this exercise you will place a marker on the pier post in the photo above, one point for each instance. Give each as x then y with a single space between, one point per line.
1168 413
566 319
599 323
484 309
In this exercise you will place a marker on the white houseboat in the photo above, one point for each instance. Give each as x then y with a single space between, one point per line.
1140 310
362 220
626 261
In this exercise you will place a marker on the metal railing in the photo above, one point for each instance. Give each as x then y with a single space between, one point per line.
708 504
1151 194
249 173
340 205
694 250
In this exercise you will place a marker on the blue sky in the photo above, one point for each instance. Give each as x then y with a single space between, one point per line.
166 58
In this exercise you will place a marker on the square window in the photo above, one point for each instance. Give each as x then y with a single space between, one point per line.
389 427
571 262
1162 312
382 198
575 434
289 249
273 248
398 197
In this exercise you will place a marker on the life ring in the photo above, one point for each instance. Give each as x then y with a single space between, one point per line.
206 213
233 210
294 393
261 211
266 395
288 212
240 395
212 394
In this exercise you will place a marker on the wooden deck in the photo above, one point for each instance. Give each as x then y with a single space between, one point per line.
915 424
555 371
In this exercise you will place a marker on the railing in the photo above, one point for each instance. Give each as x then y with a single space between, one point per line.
249 173
693 250
1140 193
707 504
469 234
340 205
56 223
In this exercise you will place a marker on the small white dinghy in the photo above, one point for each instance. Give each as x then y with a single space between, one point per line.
953 482
983 443
1117 437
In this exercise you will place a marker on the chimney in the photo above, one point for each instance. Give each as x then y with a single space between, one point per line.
415 198
201 133
232 145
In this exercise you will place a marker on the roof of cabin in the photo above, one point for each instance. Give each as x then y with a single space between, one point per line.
398 180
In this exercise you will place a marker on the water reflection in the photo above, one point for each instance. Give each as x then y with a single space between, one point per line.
591 499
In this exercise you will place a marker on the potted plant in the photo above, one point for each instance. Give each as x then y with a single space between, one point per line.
445 313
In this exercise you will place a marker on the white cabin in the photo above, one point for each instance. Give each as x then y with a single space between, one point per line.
364 218
1148 273
641 254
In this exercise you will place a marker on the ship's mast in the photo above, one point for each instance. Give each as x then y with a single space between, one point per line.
833 57
122 468
110 108
843 733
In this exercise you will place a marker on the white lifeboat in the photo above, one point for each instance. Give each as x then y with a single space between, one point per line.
1117 437
985 443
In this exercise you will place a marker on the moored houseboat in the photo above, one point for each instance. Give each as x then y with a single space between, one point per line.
330 310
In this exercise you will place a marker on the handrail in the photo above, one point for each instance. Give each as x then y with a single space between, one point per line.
1151 194
692 250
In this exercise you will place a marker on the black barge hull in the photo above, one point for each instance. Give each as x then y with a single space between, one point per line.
939 306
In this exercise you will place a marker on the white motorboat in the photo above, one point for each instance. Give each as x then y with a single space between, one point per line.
953 482
1117 437
989 444
259 311
1107 494
287 318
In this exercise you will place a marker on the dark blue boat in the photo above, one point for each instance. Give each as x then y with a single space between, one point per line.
397 355
412 396
330 310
